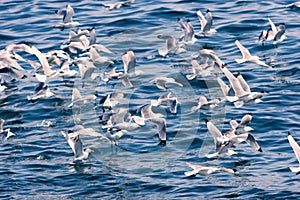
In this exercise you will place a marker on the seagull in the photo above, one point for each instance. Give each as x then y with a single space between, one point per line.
293 5
198 169
65 70
247 57
114 134
279 36
112 6
86 67
242 127
203 103
199 70
224 142
206 22
77 98
172 46
296 150
97 58
42 90
169 101
76 145
161 82
208 53
158 119
5 134
67 14
269 34
188 31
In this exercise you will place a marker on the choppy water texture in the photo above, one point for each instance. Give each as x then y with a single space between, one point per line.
37 162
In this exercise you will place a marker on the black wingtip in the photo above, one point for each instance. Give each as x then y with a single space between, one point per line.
188 20
260 149
207 10
289 133
56 11
206 120
197 10
234 170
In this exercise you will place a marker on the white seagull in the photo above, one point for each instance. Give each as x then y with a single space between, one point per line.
296 150
76 145
241 127
247 57
198 169
67 14
206 22
172 46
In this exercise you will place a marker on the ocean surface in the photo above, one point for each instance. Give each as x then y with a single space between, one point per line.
37 163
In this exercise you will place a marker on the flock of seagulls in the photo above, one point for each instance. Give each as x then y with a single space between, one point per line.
81 55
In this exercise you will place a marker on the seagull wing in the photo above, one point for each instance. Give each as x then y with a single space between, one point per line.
243 83
295 146
196 169
273 27
201 19
246 54
129 61
1 125
223 86
209 22
161 126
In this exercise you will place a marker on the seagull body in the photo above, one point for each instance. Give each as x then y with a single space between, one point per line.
76 145
247 57
206 23
296 150
198 169
224 142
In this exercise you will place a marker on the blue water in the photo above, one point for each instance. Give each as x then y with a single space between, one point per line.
37 162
